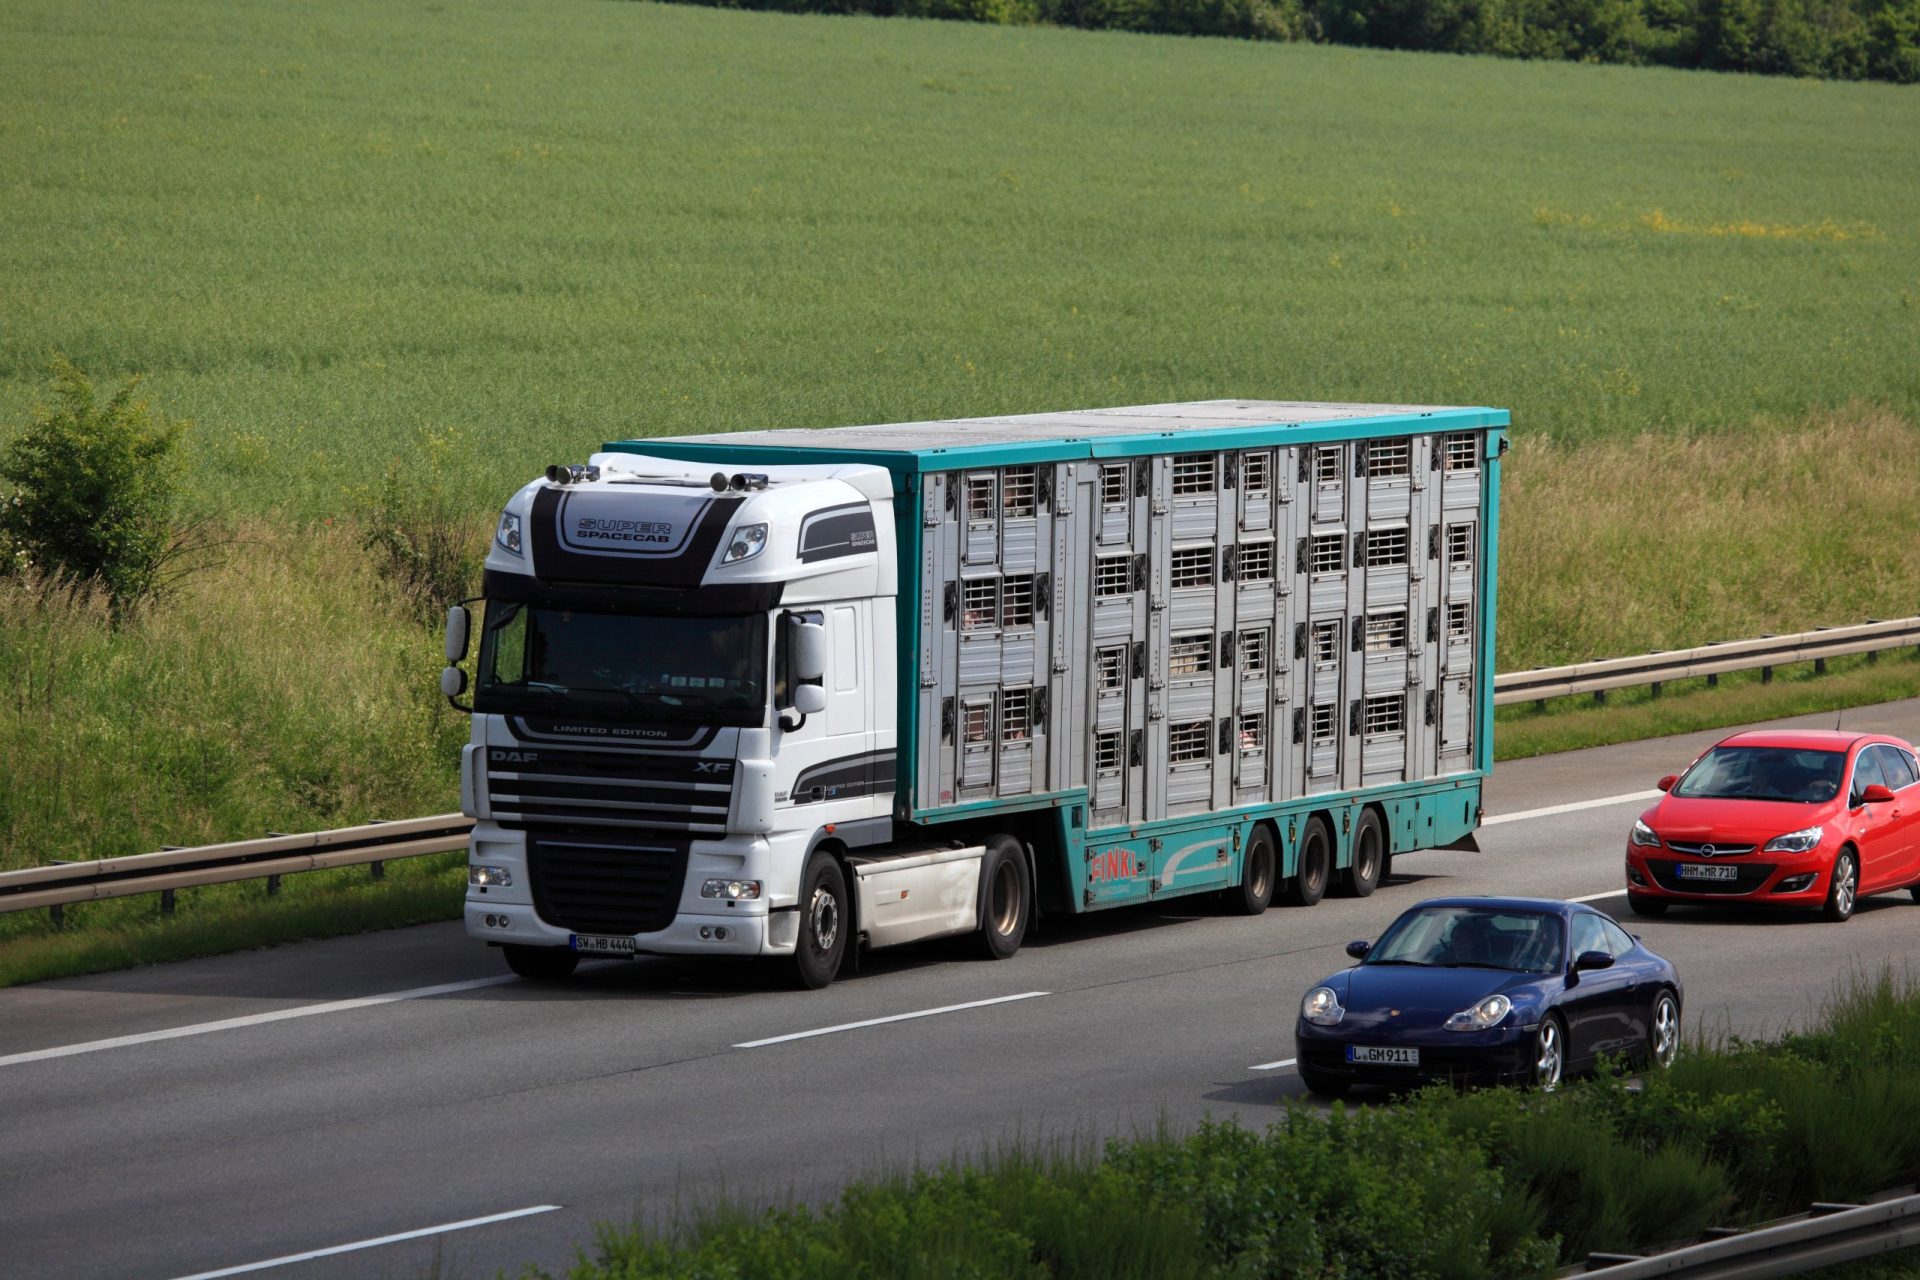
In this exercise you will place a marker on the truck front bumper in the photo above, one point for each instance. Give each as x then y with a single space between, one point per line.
724 933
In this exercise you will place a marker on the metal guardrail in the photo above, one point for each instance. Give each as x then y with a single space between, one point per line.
1710 660
55 886
376 843
1829 1234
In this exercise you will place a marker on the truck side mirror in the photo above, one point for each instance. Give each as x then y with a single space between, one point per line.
453 682
809 699
458 620
809 653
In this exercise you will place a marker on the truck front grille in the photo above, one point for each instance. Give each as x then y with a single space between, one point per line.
591 884
609 789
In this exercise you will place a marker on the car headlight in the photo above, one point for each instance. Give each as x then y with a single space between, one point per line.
1322 1007
1482 1016
748 541
508 534
490 877
745 890
1643 836
1795 841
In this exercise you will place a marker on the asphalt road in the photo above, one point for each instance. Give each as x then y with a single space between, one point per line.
326 1118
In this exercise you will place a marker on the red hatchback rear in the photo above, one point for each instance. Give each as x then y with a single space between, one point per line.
1793 819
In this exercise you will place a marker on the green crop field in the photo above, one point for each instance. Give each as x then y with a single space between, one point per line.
321 230
446 244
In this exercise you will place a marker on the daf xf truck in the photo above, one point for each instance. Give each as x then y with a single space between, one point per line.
793 693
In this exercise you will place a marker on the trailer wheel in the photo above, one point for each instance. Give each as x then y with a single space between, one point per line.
1260 865
825 923
1308 883
542 964
1004 899
1369 856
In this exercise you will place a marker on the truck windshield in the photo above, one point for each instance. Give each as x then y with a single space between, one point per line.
620 666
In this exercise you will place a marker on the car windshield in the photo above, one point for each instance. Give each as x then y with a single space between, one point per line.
1472 938
1793 774
547 661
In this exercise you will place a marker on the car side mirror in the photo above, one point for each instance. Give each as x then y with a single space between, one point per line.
1592 960
1358 949
1876 794
1666 783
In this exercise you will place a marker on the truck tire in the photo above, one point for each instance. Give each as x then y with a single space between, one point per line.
1260 867
542 964
1308 883
825 922
1369 856
1005 898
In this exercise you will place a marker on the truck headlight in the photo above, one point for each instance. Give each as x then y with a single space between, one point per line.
489 877
748 541
1795 841
1481 1016
745 890
508 534
1643 836
1322 1007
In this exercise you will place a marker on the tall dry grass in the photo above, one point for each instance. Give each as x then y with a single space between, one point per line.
1615 546
285 688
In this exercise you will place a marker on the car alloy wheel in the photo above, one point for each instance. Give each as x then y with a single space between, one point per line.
1547 1057
1846 887
1666 1030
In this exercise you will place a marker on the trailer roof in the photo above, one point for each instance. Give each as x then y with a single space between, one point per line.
947 443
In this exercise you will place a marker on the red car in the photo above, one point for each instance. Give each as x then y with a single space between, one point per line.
1789 819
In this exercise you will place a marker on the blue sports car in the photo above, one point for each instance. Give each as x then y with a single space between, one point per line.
1488 990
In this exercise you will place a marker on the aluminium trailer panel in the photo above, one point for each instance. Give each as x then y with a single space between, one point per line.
1150 617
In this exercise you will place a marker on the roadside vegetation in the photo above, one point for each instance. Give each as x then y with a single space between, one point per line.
1849 40
1499 1183
391 261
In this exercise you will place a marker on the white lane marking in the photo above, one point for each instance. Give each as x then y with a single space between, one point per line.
1273 1066
1595 897
898 1017
251 1020
1575 807
372 1244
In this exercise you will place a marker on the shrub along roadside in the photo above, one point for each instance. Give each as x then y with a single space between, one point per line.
1500 1183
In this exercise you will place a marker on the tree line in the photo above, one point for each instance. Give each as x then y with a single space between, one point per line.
1827 39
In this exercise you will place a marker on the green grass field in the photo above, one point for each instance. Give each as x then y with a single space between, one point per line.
321 231
473 239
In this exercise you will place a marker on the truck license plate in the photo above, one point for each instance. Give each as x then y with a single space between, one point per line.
593 944
1383 1054
1703 871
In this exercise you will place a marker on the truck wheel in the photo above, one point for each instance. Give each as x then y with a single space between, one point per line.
1004 899
1369 856
1260 863
825 924
1308 883
543 964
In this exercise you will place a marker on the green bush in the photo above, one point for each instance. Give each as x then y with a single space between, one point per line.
93 492
422 540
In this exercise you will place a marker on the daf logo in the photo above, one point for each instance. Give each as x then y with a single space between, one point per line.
513 757
1706 851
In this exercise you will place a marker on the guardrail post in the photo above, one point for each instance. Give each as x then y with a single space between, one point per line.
379 870
166 902
1766 675
1819 666
273 886
57 916
1656 689
1713 680
1599 697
